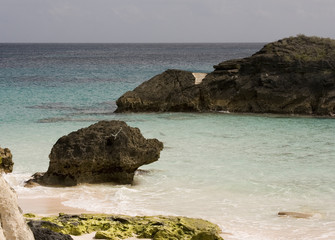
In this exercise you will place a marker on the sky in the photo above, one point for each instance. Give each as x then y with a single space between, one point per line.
138 21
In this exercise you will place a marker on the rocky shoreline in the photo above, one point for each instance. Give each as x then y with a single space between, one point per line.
291 76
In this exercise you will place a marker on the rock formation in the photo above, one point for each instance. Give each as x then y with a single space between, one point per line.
124 227
108 151
12 223
43 233
291 76
6 162
173 90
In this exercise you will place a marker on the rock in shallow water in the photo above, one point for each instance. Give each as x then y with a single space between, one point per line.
295 214
291 76
6 162
108 151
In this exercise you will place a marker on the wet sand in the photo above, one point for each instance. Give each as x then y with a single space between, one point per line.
47 206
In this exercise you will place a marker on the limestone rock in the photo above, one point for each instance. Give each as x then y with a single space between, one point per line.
12 223
108 151
6 162
291 76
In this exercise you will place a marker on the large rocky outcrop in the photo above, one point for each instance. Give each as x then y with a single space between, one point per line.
12 223
292 76
108 151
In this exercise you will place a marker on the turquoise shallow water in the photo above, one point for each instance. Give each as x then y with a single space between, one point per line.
236 170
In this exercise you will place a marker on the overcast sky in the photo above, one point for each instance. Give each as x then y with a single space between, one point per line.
163 20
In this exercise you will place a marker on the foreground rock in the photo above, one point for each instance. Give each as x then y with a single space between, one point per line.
292 76
122 227
108 151
42 233
12 223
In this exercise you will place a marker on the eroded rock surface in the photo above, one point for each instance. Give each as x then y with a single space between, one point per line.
41 232
6 161
108 151
172 90
123 227
291 76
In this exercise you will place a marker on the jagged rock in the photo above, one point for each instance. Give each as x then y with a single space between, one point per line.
12 223
108 151
291 76
6 162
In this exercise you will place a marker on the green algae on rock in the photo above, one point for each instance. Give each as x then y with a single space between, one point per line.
122 227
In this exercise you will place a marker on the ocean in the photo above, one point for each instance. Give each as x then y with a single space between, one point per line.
236 170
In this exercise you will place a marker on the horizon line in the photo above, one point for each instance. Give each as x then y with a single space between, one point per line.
131 42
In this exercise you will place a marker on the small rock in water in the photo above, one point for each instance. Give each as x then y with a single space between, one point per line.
295 214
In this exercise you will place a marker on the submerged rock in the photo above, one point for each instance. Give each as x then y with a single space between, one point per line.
108 151
295 214
122 227
291 76
6 161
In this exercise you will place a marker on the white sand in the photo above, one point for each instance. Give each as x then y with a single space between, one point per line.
47 206
199 77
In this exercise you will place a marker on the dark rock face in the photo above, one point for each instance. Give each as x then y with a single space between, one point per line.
108 151
173 90
41 232
6 160
291 76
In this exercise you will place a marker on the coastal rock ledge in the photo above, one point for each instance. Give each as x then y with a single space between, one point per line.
108 151
294 75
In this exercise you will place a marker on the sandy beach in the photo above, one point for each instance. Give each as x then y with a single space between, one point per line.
53 206
47 206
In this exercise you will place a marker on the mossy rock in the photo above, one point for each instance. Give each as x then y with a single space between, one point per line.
122 227
29 215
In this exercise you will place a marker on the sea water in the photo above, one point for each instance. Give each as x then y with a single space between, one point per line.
235 170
